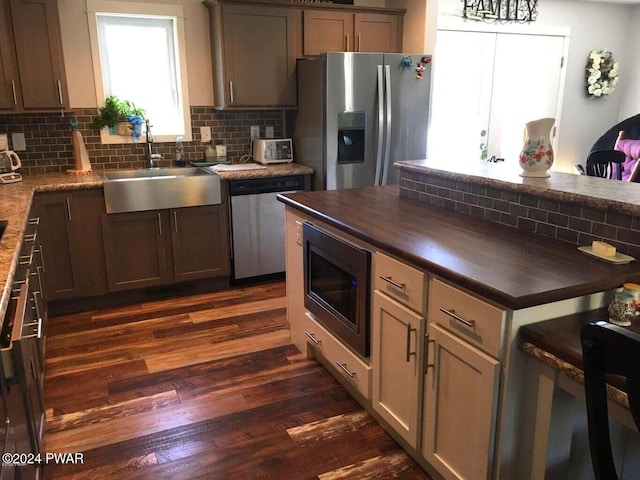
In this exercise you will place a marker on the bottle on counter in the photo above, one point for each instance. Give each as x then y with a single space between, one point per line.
210 153
180 160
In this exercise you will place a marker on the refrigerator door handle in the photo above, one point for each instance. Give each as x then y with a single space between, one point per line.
387 148
377 178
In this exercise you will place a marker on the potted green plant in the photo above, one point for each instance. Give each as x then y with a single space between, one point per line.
119 116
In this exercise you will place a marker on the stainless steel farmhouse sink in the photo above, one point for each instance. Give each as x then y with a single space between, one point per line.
159 188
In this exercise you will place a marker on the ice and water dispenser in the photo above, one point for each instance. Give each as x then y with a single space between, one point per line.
351 137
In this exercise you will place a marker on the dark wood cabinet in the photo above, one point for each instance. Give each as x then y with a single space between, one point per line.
200 242
71 242
160 247
32 43
253 51
136 249
9 81
347 31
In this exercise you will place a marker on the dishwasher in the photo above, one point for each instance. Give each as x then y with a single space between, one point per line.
257 224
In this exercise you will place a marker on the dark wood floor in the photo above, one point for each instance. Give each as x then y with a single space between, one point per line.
205 386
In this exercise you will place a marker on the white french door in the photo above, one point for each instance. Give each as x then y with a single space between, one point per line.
486 86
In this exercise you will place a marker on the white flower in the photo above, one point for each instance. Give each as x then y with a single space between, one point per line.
601 73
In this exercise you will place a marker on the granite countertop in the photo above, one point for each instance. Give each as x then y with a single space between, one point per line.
16 200
511 267
556 343
590 191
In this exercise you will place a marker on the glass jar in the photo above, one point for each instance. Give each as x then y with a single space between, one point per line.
634 290
621 310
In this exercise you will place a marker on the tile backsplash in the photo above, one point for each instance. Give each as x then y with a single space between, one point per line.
569 222
49 149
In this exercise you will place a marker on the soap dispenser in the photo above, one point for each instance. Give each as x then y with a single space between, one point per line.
180 160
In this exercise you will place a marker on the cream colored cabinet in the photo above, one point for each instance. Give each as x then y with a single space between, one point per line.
254 55
346 31
397 330
461 383
353 370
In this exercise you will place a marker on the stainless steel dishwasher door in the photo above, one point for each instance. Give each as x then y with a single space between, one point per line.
257 221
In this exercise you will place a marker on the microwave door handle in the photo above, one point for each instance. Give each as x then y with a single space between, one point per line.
378 174
387 102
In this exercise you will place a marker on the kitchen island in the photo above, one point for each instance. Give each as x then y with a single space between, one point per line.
525 275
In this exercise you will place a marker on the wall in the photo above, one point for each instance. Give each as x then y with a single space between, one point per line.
593 25
49 148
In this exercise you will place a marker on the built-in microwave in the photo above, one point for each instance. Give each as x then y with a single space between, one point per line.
336 286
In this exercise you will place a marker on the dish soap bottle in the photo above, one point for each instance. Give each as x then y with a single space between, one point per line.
210 154
180 160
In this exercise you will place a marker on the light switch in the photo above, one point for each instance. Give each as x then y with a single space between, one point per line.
18 142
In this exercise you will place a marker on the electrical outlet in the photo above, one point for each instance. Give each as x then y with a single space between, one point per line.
205 134
268 132
18 142
255 131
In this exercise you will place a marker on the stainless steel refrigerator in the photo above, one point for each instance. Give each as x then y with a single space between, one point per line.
358 113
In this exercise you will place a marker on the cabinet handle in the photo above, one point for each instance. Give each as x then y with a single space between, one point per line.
60 93
452 314
409 352
427 341
159 224
42 258
39 270
231 92
34 221
38 333
175 221
343 367
312 338
69 208
346 43
358 49
390 280
13 89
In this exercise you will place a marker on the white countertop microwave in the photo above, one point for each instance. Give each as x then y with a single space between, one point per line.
272 150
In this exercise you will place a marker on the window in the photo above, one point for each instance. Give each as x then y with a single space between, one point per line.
138 55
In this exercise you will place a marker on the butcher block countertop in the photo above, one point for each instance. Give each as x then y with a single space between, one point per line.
511 267
16 199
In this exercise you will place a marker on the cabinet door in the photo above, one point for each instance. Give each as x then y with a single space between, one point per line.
61 269
71 243
328 31
136 249
259 56
396 337
38 42
460 397
375 32
200 242
8 69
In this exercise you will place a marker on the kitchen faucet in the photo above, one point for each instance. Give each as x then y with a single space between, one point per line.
151 157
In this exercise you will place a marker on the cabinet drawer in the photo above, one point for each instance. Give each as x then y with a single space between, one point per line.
350 366
399 281
478 322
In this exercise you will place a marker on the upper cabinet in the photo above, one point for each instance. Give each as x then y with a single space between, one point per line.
255 43
32 65
345 31
253 50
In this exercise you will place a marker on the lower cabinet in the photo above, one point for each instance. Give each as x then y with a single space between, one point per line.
144 249
396 341
461 383
136 249
71 242
351 368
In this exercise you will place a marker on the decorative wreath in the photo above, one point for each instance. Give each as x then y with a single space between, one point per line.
602 73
